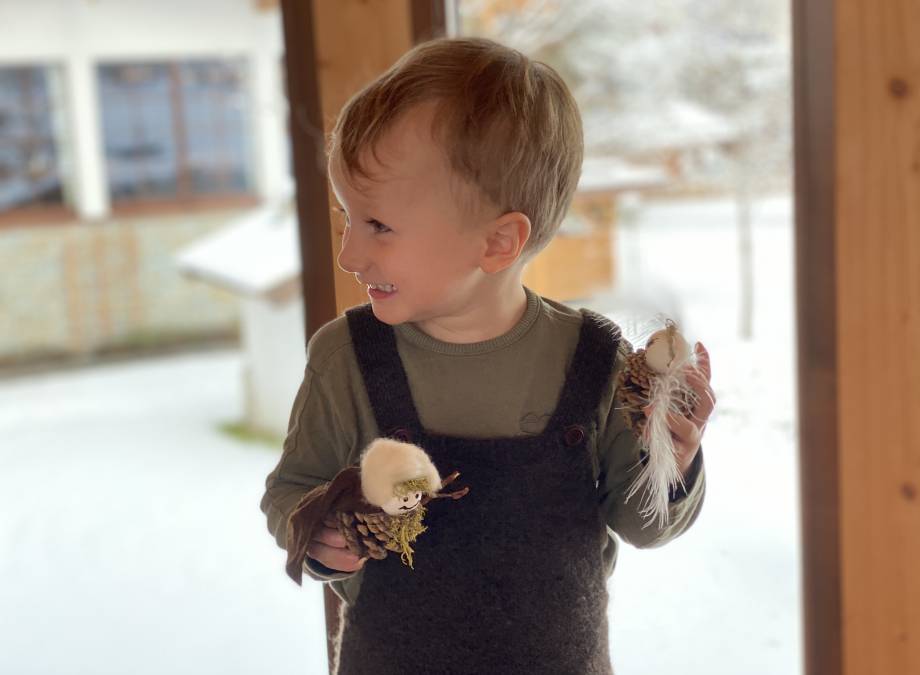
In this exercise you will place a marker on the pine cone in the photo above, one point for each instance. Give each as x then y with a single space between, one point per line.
633 389
369 534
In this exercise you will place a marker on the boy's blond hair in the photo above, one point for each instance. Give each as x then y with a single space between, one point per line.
508 125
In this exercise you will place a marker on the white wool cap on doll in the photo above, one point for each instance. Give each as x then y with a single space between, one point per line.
386 463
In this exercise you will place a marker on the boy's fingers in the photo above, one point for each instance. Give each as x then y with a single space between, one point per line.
329 536
696 380
684 429
335 558
703 405
700 415
704 398
699 378
702 361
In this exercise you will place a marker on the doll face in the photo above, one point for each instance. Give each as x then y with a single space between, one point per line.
399 505
661 353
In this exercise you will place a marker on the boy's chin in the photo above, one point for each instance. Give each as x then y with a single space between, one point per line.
387 315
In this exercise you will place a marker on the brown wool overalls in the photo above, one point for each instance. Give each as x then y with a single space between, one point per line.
509 579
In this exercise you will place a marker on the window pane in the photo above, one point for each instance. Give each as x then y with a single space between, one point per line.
29 172
215 121
140 143
174 130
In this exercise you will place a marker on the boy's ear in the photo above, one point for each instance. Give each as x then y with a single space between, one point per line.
505 239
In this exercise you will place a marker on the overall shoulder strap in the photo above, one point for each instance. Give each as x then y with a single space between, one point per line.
589 373
384 376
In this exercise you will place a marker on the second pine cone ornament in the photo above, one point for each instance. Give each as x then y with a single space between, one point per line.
377 505
656 376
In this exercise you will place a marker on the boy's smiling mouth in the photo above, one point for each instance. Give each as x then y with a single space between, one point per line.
380 291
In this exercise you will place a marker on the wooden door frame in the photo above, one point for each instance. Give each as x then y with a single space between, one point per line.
428 19
813 87
307 148
816 317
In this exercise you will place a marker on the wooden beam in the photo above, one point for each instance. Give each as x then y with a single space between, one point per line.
332 50
429 20
383 29
857 90
816 294
307 147
878 332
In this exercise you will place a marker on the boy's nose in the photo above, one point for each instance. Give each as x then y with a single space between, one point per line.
349 259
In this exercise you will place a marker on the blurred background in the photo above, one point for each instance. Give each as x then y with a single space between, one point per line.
152 340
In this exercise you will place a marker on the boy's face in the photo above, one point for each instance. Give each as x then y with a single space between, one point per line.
405 228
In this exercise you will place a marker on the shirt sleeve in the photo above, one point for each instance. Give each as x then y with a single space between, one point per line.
317 570
683 490
619 464
315 450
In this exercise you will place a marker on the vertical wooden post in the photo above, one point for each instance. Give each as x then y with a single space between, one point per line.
331 50
878 336
858 277
307 143
816 292
383 29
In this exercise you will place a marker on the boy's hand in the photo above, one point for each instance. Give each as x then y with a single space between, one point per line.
328 547
687 431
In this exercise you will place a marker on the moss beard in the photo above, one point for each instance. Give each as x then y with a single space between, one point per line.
405 529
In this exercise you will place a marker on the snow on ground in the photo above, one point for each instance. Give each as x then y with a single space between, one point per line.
131 540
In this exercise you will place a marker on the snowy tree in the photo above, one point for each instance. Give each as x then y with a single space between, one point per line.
718 69
741 67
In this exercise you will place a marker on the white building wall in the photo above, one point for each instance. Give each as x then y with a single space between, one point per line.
274 350
120 29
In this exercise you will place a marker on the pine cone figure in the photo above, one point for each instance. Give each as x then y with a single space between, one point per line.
650 388
370 504
633 391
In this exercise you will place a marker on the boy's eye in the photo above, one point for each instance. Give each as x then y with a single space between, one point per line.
376 225
379 227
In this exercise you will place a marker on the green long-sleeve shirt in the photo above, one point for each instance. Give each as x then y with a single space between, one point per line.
506 386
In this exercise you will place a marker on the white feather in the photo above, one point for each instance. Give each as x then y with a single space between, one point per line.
661 472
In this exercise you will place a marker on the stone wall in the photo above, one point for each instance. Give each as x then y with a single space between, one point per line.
77 289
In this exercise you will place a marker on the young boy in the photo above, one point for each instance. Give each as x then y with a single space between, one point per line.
453 169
